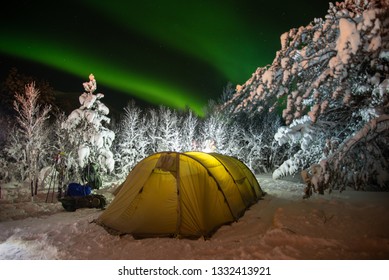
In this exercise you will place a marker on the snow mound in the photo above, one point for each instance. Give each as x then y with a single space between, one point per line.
22 210
281 226
21 248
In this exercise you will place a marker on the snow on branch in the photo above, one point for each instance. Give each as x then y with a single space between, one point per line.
91 140
322 65
361 161
31 119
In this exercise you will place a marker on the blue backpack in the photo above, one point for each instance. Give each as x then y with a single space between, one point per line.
75 189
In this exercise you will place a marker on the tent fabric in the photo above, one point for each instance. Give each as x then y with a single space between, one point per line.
187 194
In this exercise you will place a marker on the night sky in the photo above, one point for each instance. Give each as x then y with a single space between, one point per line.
175 53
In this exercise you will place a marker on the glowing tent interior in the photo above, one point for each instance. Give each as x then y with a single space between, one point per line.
181 195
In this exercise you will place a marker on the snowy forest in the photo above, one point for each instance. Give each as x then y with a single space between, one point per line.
320 110
329 82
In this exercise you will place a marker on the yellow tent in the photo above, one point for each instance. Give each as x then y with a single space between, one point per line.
181 194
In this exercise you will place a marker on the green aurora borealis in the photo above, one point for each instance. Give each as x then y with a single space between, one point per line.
176 53
79 62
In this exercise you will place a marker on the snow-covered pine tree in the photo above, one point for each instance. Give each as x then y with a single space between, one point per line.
335 71
91 140
31 120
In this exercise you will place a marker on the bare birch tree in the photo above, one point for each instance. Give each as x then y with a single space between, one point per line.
31 119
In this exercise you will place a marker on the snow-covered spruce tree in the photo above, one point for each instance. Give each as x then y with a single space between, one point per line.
31 120
91 141
335 70
132 143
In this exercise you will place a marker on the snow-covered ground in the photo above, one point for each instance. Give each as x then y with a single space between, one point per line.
348 225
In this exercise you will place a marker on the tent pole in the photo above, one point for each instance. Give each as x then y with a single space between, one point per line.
178 225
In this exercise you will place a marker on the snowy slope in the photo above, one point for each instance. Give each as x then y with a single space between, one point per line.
347 225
